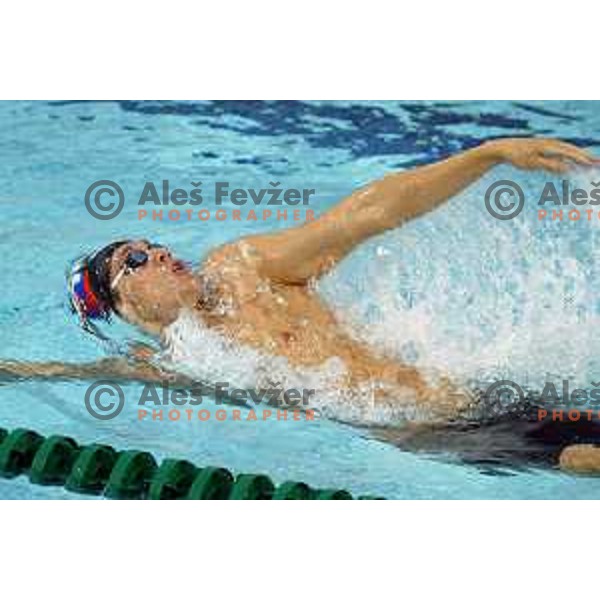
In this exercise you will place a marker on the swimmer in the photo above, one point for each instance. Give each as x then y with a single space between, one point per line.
259 290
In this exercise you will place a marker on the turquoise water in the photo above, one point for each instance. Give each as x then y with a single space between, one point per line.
456 290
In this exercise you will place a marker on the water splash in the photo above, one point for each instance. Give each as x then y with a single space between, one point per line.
456 293
480 299
206 354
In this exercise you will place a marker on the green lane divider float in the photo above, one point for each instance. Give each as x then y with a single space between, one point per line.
132 474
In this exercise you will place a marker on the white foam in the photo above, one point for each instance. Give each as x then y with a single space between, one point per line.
208 355
477 298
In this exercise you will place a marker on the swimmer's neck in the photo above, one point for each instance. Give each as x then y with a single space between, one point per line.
201 308
158 329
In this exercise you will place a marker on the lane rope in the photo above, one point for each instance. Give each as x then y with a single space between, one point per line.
99 469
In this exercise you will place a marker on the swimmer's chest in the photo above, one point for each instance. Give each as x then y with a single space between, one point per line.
287 320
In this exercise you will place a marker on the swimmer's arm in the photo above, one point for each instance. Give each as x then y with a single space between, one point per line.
116 370
583 459
299 254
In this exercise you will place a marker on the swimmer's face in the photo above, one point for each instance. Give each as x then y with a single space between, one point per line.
149 285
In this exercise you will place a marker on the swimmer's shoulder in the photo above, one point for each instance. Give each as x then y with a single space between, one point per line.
239 257
233 271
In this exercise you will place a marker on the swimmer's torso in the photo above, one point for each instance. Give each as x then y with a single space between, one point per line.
293 321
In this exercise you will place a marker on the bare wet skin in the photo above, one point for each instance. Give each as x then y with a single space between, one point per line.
293 321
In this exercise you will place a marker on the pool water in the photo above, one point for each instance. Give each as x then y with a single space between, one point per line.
456 290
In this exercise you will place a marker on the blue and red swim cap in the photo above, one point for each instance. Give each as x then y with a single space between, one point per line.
88 283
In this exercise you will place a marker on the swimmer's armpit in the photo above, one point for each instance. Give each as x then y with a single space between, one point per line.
116 369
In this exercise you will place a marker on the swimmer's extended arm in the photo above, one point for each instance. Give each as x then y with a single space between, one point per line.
305 252
116 370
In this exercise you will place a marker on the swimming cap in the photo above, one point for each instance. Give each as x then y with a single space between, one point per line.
88 283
